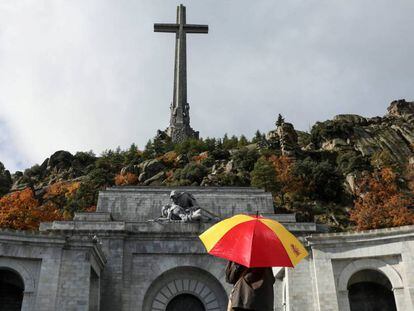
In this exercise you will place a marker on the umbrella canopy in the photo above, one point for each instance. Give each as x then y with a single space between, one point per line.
253 241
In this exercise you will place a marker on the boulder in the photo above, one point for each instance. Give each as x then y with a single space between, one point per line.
334 144
400 108
157 179
182 159
230 167
288 139
60 160
350 118
132 168
218 167
149 169
350 183
272 135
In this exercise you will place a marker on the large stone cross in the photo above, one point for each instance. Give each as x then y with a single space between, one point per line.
179 110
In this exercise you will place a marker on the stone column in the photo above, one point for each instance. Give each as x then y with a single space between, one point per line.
325 285
400 300
299 291
27 303
343 301
47 291
408 268
112 277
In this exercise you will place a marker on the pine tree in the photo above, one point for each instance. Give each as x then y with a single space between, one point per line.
280 120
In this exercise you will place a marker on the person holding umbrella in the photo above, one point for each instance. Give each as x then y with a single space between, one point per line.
252 287
253 245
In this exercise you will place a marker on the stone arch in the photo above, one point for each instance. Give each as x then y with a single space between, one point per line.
371 264
28 280
185 281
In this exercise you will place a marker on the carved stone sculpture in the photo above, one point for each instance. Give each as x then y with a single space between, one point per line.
183 207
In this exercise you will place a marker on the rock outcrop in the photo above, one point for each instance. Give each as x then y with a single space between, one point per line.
391 136
284 137
149 169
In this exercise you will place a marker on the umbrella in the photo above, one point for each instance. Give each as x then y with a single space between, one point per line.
253 241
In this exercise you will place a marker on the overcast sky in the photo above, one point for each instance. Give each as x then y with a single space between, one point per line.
85 75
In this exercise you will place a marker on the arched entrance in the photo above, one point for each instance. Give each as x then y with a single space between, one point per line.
185 289
370 290
185 302
11 290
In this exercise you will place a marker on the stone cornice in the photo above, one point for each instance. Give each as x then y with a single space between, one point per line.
361 236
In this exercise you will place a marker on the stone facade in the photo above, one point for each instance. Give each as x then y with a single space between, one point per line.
322 281
55 269
116 259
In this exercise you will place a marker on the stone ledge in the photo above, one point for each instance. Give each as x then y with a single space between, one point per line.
151 227
189 189
360 236
285 218
93 216
83 226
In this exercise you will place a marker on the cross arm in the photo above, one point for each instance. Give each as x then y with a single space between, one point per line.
190 28
166 27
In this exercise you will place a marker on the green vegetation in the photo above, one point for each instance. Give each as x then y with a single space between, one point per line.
5 180
315 182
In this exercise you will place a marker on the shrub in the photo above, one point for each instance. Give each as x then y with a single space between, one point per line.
244 159
321 180
380 204
192 172
126 179
263 176
5 180
352 161
331 129
20 210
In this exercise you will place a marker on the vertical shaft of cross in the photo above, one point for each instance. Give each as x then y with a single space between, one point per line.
180 68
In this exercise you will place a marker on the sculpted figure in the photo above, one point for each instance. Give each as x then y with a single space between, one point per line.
183 206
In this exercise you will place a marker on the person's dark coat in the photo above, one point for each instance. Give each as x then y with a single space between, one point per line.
253 287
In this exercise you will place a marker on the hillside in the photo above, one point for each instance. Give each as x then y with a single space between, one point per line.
346 172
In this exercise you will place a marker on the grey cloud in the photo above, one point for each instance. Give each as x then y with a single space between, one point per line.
81 75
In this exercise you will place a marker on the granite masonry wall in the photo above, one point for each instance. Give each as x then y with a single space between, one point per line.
54 268
116 259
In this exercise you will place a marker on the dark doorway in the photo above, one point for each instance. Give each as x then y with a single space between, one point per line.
11 291
370 290
185 302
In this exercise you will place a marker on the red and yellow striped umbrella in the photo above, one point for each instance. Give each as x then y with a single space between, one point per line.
253 241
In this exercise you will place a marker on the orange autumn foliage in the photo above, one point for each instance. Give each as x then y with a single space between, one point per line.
20 210
126 179
380 204
66 189
90 209
202 156
409 176
289 183
169 158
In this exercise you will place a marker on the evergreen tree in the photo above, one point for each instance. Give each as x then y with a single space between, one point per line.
242 141
264 176
280 120
5 180
258 137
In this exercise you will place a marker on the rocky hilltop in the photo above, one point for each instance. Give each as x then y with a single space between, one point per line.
389 136
313 174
